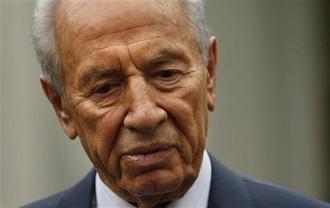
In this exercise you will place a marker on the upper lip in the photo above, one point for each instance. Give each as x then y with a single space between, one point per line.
148 149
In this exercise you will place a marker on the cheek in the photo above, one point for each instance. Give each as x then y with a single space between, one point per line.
98 131
189 111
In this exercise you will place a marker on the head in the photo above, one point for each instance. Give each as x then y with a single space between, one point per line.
135 81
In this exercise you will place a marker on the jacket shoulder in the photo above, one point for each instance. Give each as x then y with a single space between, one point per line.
81 195
272 196
49 202
230 190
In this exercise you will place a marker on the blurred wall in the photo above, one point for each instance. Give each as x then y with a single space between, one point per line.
37 158
1 78
326 13
270 120
271 91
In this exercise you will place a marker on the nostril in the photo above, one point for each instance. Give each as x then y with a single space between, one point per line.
144 129
145 122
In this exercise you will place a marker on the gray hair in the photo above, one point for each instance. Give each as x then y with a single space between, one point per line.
44 40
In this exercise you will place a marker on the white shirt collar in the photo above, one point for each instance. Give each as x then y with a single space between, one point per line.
196 196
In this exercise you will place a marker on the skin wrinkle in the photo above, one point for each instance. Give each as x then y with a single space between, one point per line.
114 45
104 165
129 29
129 44
118 45
131 57
166 55
151 55
83 80
114 142
132 44
98 74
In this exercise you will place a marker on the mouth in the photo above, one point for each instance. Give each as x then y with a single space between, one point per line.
144 159
147 155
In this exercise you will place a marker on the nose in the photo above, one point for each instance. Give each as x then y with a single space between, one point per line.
144 115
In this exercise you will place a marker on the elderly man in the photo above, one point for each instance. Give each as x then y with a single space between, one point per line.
135 79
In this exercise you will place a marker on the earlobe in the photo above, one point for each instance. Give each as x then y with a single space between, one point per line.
58 105
211 76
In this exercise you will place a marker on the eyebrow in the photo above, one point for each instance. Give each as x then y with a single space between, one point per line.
164 57
96 74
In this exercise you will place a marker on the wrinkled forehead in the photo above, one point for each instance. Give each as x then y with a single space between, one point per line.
83 25
76 16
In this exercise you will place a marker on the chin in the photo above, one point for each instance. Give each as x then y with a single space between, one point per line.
155 183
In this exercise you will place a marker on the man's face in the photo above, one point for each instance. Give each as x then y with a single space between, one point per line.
136 92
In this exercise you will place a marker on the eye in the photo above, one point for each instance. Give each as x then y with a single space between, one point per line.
167 75
104 89
167 79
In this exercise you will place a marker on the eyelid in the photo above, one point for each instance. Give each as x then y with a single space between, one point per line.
173 73
172 69
112 89
167 82
98 87
97 73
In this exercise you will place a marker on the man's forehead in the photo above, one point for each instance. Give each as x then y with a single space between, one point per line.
111 22
81 13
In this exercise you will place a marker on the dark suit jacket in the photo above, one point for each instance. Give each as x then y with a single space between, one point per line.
228 190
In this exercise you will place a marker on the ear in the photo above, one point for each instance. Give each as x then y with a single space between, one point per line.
58 104
211 76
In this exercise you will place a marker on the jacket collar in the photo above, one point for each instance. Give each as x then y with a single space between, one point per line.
81 195
227 188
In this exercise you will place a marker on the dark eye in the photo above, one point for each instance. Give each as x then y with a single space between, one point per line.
167 74
167 79
104 89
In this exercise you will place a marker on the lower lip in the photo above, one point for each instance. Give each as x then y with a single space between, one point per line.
149 160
